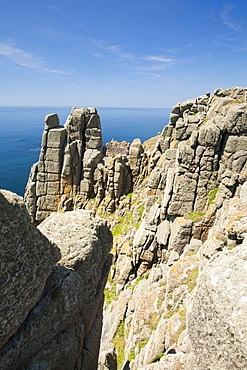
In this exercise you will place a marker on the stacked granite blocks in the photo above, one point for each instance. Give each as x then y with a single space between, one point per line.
204 142
83 152
49 166
68 158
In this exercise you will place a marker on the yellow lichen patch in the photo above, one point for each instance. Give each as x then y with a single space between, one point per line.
58 199
151 192
210 210
182 220
161 160
175 326
174 144
67 188
150 143
126 249
181 277
147 308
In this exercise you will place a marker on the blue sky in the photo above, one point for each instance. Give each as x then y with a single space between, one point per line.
112 53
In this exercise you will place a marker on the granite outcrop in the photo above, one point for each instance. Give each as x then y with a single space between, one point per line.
51 288
184 223
73 167
176 206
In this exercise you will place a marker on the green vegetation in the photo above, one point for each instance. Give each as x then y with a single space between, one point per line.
132 219
182 327
158 357
110 295
127 219
119 343
176 336
192 279
192 253
159 303
170 314
137 281
161 283
110 292
132 354
211 195
182 313
116 230
195 217
153 319
142 343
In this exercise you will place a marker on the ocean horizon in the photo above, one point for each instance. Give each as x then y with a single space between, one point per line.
21 131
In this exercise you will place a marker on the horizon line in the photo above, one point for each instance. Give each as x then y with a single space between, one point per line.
70 106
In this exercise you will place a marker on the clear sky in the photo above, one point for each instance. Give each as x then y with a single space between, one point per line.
120 53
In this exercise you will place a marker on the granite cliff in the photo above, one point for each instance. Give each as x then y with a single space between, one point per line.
176 205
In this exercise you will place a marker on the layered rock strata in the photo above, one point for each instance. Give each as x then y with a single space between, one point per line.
51 315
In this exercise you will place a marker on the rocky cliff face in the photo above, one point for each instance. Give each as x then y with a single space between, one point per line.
177 206
186 219
73 167
51 315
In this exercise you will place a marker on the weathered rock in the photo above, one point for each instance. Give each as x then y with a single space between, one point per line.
84 242
197 165
173 362
190 183
51 317
180 234
216 321
54 331
68 159
114 148
27 259
51 121
135 156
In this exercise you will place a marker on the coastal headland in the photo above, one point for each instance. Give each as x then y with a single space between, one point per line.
130 255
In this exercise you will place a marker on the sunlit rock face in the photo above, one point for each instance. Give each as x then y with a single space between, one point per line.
68 157
178 268
176 205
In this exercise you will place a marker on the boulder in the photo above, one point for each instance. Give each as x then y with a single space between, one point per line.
27 259
84 242
217 317
54 330
51 121
51 316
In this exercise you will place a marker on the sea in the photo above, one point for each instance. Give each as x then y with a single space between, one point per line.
21 130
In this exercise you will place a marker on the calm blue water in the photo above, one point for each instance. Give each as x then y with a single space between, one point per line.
21 129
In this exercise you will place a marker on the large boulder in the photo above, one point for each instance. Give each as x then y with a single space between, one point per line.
27 259
51 316
217 317
51 338
84 242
